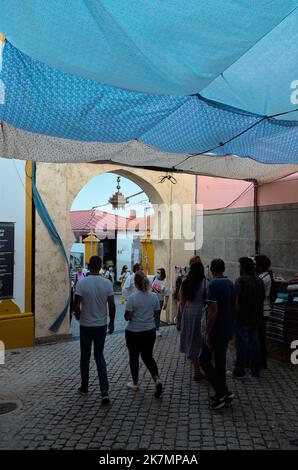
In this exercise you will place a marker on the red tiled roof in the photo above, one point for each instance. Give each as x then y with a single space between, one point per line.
102 222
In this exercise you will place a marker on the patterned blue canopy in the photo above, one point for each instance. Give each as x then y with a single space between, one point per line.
189 78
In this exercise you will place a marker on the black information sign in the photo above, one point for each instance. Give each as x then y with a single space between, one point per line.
6 259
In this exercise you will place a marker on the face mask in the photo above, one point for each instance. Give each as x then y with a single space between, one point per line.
158 276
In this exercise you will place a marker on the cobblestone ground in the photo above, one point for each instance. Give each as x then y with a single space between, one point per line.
53 416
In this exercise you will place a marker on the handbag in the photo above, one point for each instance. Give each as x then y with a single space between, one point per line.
204 318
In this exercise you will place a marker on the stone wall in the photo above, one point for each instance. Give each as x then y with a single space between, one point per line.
229 234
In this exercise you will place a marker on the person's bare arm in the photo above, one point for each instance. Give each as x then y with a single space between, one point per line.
181 299
165 303
212 316
112 313
77 306
128 315
156 313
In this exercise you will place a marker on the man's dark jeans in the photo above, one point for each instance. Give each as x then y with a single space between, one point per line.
248 349
216 374
96 335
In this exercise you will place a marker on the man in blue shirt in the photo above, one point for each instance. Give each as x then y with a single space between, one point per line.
219 331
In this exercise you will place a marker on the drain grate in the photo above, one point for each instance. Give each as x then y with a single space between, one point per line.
7 407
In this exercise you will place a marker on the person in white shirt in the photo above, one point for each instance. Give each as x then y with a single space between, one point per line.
86 269
263 264
160 287
129 286
92 297
141 310
122 278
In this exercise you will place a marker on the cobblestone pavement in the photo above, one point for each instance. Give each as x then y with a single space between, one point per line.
53 416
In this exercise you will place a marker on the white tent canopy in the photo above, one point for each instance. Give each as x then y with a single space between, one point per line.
23 145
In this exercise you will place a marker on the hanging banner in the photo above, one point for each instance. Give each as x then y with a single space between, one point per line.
6 259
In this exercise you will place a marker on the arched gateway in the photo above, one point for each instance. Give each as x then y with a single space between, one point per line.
59 185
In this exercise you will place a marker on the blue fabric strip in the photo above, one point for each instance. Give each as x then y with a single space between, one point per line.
46 218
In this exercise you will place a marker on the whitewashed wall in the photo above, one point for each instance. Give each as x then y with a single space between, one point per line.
79 248
12 209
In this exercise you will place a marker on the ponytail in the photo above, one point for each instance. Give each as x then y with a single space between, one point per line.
141 281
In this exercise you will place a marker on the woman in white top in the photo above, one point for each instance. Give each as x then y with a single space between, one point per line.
141 309
129 286
161 288
123 277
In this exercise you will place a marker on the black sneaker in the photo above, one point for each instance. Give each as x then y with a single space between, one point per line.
255 374
218 403
229 397
82 391
158 390
238 376
105 400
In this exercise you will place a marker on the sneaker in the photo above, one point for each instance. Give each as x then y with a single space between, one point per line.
158 333
199 377
158 390
255 374
82 392
105 400
218 403
133 387
229 397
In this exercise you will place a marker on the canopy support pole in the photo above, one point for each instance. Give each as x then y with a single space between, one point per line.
256 217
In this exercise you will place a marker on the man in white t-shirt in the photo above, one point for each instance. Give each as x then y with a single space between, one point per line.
92 297
129 286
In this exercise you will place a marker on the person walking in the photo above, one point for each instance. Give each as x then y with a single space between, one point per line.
160 287
79 275
141 309
86 269
93 294
193 295
123 277
250 296
219 331
178 283
129 286
263 264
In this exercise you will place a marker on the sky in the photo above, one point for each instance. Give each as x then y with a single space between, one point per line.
100 188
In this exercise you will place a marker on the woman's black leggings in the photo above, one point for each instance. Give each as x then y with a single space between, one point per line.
141 343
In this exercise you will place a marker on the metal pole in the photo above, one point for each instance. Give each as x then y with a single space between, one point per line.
256 217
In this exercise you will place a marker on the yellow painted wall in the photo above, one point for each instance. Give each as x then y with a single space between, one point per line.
17 328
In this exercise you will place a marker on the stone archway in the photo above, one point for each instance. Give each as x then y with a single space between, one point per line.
59 184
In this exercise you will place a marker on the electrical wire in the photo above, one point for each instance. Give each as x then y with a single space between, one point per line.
246 190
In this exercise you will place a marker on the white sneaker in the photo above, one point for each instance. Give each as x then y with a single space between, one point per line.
133 387
158 333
